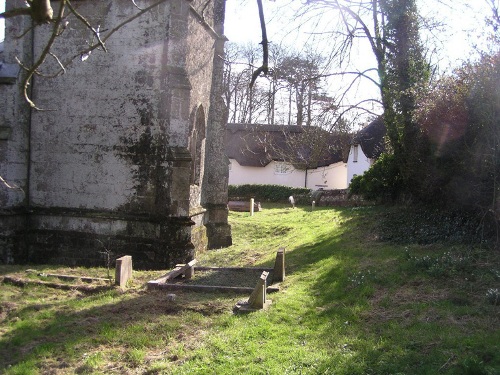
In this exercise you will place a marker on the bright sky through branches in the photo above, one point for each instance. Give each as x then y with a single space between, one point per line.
460 38
2 21
461 34
242 23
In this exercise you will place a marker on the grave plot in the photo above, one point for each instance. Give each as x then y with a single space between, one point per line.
221 279
80 279
76 280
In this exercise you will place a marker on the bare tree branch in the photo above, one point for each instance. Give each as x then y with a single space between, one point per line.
265 51
40 11
205 8
10 186
37 10
86 23
46 51
111 32
135 4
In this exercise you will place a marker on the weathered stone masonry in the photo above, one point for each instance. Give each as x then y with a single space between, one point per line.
131 160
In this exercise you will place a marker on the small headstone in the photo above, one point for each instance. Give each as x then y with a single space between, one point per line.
279 266
123 271
186 270
189 272
258 299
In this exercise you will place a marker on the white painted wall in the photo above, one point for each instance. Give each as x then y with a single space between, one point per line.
240 175
356 168
332 177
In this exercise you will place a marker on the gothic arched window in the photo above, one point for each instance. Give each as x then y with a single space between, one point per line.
196 146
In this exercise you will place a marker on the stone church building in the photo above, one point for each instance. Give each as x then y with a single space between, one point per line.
128 155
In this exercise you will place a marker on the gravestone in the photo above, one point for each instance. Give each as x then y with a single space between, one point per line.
243 206
123 271
258 299
279 266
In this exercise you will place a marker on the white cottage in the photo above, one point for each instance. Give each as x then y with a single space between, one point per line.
367 146
298 156
289 155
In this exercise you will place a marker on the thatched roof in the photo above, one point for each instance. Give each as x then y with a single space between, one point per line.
371 138
304 147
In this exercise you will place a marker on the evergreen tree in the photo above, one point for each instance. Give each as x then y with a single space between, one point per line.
406 73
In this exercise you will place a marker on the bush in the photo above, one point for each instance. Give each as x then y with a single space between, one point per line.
269 193
425 225
459 116
381 182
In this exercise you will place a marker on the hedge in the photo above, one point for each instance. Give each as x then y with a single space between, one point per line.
269 193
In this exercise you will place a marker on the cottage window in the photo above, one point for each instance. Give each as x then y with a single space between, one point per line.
355 153
281 167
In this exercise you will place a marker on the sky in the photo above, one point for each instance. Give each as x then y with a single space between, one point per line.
242 23
460 37
464 26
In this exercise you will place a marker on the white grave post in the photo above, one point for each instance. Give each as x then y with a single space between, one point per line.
123 271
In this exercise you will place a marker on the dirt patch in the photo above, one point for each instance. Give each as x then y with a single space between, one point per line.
5 309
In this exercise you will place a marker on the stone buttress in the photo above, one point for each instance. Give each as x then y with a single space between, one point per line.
128 161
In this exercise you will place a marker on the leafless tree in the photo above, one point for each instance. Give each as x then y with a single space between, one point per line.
291 93
303 147
494 19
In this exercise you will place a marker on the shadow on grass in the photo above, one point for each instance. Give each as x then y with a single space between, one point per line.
370 335
145 320
352 319
225 277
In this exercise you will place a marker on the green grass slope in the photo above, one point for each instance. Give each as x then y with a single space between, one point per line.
352 303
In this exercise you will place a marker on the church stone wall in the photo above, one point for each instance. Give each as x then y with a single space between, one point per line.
14 147
110 166
96 150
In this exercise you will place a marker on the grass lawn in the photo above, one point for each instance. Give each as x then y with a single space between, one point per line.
351 303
